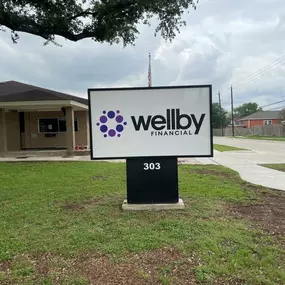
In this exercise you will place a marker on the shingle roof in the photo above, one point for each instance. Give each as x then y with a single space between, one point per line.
263 115
12 91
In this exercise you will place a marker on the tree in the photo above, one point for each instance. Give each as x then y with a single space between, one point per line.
219 116
111 21
246 109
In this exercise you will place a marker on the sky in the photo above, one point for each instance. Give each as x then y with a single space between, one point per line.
224 43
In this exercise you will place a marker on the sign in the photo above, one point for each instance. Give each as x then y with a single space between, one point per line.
152 180
151 122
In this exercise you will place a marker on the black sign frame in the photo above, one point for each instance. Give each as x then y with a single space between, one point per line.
148 88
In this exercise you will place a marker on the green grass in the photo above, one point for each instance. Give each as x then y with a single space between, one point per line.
61 211
280 167
222 148
256 137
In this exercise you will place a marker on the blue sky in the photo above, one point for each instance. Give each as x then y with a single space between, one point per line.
223 43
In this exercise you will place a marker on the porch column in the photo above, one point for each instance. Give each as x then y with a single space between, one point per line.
3 131
88 130
70 134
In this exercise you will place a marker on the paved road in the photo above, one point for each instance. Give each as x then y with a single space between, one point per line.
261 151
246 163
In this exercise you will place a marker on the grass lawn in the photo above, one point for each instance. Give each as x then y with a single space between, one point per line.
222 148
264 138
62 223
280 167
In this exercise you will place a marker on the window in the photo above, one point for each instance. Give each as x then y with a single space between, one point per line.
267 122
55 125
62 125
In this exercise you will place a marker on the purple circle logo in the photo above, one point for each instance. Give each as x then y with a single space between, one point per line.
111 124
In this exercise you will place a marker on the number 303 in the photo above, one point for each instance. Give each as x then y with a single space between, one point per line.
151 166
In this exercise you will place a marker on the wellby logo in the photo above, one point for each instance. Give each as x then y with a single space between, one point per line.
174 123
111 124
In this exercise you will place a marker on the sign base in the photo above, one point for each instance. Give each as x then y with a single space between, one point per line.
153 207
152 180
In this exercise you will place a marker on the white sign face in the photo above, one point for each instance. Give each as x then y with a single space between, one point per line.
151 122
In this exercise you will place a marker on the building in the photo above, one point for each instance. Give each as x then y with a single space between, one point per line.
262 118
237 123
34 118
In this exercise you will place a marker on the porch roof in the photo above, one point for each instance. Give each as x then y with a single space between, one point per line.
18 96
55 105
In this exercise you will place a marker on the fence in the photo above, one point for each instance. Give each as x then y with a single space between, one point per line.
272 130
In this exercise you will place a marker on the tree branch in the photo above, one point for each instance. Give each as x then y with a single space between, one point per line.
109 21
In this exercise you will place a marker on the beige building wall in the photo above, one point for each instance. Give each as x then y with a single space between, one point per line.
82 136
33 139
13 131
1 132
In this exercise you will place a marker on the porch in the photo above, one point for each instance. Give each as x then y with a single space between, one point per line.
43 128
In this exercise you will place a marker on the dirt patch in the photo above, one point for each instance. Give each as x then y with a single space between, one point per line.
156 267
104 178
80 205
5 265
214 172
161 266
268 209
42 265
268 213
92 202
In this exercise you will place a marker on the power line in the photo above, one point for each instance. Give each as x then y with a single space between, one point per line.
270 67
263 70
257 76
272 104
276 108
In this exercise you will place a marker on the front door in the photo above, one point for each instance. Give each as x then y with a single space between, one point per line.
22 129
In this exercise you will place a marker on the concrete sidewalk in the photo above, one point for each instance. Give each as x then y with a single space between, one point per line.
87 158
250 171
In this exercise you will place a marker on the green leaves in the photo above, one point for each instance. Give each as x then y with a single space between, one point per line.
246 109
111 21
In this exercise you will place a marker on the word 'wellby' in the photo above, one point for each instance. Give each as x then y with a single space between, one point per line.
172 121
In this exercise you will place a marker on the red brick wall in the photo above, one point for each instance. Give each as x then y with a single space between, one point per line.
251 123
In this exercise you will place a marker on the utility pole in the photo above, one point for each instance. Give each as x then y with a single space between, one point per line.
222 127
232 103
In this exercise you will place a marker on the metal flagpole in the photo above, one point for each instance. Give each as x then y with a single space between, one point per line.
149 71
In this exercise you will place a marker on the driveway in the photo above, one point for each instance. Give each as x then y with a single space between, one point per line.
246 163
261 151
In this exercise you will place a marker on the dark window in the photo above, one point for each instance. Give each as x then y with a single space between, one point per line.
48 125
76 125
267 122
22 122
55 125
62 125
